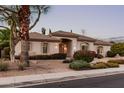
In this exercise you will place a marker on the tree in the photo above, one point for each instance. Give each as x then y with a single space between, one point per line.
24 21
118 48
11 14
4 42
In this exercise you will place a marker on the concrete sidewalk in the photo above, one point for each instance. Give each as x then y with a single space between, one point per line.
20 81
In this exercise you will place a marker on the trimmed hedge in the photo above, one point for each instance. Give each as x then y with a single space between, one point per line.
87 56
46 57
79 65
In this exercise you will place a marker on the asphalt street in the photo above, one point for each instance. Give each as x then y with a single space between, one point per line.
111 81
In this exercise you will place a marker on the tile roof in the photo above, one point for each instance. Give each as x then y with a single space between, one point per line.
35 36
100 42
64 34
73 35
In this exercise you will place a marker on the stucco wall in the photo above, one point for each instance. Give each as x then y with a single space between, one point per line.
53 47
36 48
105 49
91 45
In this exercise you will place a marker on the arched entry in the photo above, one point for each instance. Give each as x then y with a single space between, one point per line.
65 47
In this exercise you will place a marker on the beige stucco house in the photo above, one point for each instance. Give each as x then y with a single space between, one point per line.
63 42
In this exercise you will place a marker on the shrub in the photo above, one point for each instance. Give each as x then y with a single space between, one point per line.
111 65
99 56
84 55
118 48
7 52
121 53
119 61
46 57
111 54
3 66
99 65
21 66
58 56
79 65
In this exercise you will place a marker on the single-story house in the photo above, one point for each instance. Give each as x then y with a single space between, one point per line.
63 42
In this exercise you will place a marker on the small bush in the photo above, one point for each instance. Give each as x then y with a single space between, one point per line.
119 61
121 53
58 56
99 65
84 55
111 54
99 56
79 65
4 66
111 65
21 66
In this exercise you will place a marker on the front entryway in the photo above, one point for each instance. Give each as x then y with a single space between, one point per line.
65 47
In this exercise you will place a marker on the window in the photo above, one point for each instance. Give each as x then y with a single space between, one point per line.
45 47
84 46
100 50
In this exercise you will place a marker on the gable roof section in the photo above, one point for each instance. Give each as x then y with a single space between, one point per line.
35 36
73 35
64 34
100 42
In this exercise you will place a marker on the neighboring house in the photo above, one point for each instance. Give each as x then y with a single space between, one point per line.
63 42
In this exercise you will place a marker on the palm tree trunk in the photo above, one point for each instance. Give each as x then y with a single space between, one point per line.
24 52
24 15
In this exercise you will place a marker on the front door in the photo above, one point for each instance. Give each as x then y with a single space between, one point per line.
62 48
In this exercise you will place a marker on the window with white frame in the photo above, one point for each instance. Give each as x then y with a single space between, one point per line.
99 50
84 46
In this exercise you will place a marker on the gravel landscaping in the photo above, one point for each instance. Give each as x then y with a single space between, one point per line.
43 67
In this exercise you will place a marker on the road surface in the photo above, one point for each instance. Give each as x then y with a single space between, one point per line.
111 81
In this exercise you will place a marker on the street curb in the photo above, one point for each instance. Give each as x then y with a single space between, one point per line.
52 80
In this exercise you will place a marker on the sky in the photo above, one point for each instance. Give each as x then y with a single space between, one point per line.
96 21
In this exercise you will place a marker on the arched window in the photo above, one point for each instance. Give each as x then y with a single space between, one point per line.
99 50
84 46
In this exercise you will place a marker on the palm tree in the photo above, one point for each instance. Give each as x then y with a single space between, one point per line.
24 20
21 23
